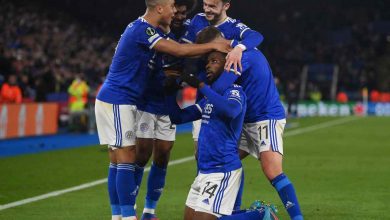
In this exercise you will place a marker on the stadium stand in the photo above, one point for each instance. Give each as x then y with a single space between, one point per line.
46 43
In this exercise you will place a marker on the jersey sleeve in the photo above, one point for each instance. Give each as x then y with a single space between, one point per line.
249 38
192 30
224 106
226 79
148 36
235 93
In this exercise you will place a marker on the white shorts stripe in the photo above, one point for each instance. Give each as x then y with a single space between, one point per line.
273 130
272 140
223 191
218 193
219 197
276 139
116 125
118 128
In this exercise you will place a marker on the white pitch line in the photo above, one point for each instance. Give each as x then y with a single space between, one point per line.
320 126
172 163
79 187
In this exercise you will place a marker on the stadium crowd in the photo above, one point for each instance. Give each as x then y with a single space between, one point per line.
46 49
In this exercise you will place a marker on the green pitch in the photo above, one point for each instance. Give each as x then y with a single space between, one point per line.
340 171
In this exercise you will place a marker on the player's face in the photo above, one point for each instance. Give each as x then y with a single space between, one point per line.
215 65
168 12
180 16
213 9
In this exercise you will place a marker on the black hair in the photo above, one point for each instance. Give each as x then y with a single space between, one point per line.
190 4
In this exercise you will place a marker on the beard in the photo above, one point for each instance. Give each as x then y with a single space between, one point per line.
213 17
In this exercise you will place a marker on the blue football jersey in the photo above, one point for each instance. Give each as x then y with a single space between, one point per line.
231 29
153 99
129 71
219 136
263 100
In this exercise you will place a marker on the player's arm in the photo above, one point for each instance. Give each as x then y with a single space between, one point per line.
189 50
249 39
180 116
227 78
225 106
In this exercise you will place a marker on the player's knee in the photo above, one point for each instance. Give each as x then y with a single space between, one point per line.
271 163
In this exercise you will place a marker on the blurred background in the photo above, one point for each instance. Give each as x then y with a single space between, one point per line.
328 57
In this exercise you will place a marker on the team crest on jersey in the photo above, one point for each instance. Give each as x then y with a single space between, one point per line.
144 127
129 135
235 93
150 31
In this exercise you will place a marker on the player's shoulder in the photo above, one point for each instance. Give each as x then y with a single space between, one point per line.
235 90
141 25
199 18
187 22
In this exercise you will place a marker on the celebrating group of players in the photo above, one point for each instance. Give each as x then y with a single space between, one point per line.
238 111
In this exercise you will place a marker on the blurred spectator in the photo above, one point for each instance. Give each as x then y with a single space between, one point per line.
342 97
292 98
78 98
10 91
375 96
315 94
78 94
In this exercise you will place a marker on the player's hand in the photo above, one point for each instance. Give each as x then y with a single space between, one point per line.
234 59
222 45
191 80
170 86
169 73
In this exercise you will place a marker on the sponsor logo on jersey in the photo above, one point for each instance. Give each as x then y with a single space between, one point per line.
206 201
235 93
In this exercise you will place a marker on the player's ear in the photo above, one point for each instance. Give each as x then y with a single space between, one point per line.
159 9
226 6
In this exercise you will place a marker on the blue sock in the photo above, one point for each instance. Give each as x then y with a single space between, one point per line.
111 180
237 203
250 215
139 173
125 186
287 194
156 183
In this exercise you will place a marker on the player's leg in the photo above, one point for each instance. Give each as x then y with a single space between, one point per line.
165 134
111 185
188 213
204 216
116 128
271 158
192 199
145 141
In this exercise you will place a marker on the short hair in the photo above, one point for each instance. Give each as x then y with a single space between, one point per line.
226 1
153 3
190 4
208 34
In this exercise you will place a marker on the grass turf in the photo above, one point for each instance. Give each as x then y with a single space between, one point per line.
339 172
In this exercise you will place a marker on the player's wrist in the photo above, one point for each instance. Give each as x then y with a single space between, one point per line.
242 47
